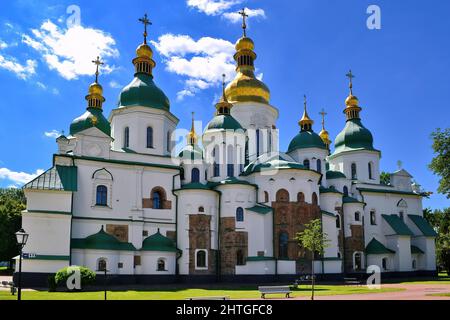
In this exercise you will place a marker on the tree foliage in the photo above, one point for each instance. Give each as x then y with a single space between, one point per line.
12 203
87 275
385 178
440 164
440 220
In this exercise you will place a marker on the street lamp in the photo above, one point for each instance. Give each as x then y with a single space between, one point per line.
22 238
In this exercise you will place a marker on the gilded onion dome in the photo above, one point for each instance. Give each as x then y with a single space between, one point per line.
245 86
324 135
93 117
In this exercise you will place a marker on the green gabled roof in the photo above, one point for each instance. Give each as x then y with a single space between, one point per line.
392 191
277 162
228 181
102 241
423 225
306 139
329 190
195 186
376 247
142 91
347 199
61 178
328 213
224 122
335 175
416 250
128 150
92 118
397 224
260 209
158 242
260 258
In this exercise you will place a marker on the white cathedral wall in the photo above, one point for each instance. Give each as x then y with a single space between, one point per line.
329 227
260 233
312 154
41 266
235 196
339 184
149 262
92 143
257 268
349 216
48 200
343 162
402 247
89 258
330 201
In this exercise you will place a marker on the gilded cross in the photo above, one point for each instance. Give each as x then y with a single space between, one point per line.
350 76
98 63
146 22
244 16
323 114
305 101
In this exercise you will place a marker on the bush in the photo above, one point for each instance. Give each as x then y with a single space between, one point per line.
51 283
87 276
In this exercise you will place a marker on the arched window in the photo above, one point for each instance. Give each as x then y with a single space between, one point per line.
357 216
269 140
354 175
230 170
102 196
126 138
239 214
315 200
339 255
195 175
373 218
283 245
240 258
157 200
319 166
101 264
258 142
230 161
201 209
161 265
301 197
149 137
357 261
370 170
216 168
306 163
200 259
346 191
402 208
266 197
168 144
384 264
282 195
338 222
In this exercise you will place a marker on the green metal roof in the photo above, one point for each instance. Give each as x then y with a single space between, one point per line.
391 191
347 199
277 162
92 118
335 175
260 258
329 190
142 91
228 181
328 213
397 224
416 250
423 225
306 139
102 241
191 152
61 178
260 209
158 242
354 136
376 247
223 122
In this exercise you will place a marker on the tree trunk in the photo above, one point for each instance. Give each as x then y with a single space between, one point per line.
313 278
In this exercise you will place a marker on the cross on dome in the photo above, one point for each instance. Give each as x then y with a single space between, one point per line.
145 21
98 63
244 16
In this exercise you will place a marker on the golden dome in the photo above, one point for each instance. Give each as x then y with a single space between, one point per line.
324 135
95 89
144 51
245 43
351 101
245 87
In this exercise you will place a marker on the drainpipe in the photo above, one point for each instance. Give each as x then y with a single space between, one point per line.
343 239
219 224
177 271
71 222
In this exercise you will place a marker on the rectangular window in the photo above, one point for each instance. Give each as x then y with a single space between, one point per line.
230 170
120 265
137 261
145 233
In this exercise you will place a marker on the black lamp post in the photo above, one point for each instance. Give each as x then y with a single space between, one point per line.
22 238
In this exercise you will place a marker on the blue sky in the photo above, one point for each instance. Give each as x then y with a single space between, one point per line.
303 47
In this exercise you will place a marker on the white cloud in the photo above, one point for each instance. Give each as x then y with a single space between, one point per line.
23 71
260 76
115 85
18 177
70 51
41 85
235 17
201 62
212 7
3 45
52 134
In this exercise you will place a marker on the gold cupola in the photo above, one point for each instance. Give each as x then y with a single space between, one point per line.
245 86
95 97
305 122
324 135
352 108
143 63
192 137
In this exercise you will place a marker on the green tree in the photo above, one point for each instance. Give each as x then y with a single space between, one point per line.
315 240
12 203
440 220
385 178
87 275
440 164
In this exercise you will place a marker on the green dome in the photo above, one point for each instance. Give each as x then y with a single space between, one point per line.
224 122
191 152
158 242
103 241
354 137
142 91
276 162
93 117
306 139
335 175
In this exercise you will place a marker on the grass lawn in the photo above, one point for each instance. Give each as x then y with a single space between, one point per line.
440 295
3 268
181 294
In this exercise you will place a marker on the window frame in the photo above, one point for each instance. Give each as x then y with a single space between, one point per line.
197 267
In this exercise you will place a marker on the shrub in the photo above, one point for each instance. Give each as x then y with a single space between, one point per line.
87 275
51 283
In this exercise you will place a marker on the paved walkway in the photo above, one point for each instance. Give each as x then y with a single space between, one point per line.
411 292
